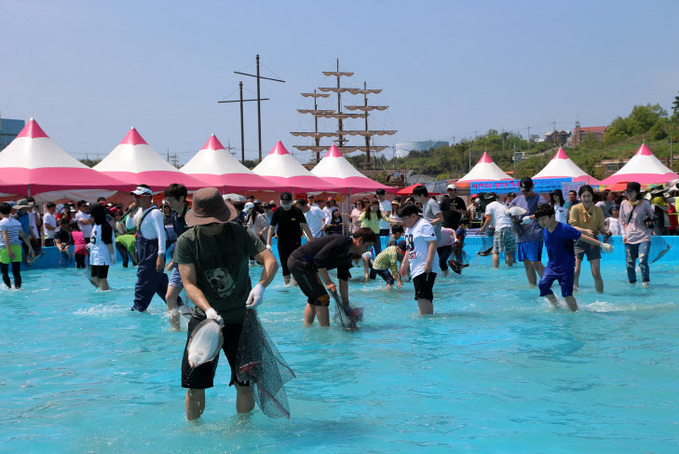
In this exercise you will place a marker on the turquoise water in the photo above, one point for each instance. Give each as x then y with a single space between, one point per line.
494 370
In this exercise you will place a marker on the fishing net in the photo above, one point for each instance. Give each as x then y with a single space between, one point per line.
206 342
659 248
486 243
347 316
260 363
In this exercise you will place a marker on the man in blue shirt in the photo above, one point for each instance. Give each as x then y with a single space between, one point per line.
559 240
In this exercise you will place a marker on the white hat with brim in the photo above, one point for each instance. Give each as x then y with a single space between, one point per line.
141 190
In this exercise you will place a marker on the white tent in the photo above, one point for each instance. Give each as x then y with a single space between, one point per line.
135 162
335 168
485 170
561 166
215 167
282 168
34 164
643 168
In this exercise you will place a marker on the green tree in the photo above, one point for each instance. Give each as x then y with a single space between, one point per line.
675 106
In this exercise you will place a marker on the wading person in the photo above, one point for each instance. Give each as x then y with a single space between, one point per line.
290 222
102 253
310 264
529 233
11 235
420 256
151 237
175 195
213 259
559 238
636 216
589 220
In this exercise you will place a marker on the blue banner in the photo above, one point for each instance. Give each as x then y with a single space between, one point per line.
503 187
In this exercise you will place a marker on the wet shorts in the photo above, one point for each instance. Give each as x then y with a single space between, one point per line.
4 254
175 278
202 377
424 284
504 240
565 280
309 282
99 271
591 251
529 250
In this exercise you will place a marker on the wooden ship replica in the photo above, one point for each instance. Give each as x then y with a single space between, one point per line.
342 137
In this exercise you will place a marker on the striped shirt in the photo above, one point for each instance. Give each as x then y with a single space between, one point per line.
12 227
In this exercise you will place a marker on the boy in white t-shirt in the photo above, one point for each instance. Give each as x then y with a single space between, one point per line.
421 255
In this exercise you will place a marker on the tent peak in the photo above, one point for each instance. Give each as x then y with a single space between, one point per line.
643 151
213 143
32 130
560 154
485 158
133 138
279 149
333 152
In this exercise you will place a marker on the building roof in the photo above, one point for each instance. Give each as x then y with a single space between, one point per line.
593 129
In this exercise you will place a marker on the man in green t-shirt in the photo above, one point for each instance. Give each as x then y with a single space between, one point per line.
213 259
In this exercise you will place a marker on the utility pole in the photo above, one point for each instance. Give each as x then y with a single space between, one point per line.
242 129
259 111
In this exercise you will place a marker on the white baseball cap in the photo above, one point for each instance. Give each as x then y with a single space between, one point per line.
451 186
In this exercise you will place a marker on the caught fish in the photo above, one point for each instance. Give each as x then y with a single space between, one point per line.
206 342
516 212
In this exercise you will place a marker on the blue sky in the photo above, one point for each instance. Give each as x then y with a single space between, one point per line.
88 70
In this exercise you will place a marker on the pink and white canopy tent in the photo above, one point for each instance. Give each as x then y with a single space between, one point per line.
643 168
335 168
215 167
281 167
561 166
484 170
135 162
34 164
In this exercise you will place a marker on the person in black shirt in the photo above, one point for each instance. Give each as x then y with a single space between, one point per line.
452 207
290 221
310 264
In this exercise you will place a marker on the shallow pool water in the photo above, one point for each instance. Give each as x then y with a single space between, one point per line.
496 369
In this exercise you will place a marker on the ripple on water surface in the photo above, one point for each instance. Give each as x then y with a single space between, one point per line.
496 369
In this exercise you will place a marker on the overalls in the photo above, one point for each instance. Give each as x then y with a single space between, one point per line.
149 281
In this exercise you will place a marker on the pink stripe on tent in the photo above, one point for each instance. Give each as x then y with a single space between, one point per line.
333 152
641 178
643 151
485 158
32 130
560 154
157 180
279 149
213 143
47 179
133 138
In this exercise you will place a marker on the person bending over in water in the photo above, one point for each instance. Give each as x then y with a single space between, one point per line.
310 263
559 240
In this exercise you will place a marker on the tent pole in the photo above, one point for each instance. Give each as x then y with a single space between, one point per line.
29 189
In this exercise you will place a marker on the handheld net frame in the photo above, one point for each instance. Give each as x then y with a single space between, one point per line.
347 316
260 363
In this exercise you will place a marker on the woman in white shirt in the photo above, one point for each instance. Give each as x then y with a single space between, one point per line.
557 201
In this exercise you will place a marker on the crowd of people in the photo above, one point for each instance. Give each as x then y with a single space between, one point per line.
207 248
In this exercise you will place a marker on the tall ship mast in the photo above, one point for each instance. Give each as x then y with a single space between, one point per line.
342 137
